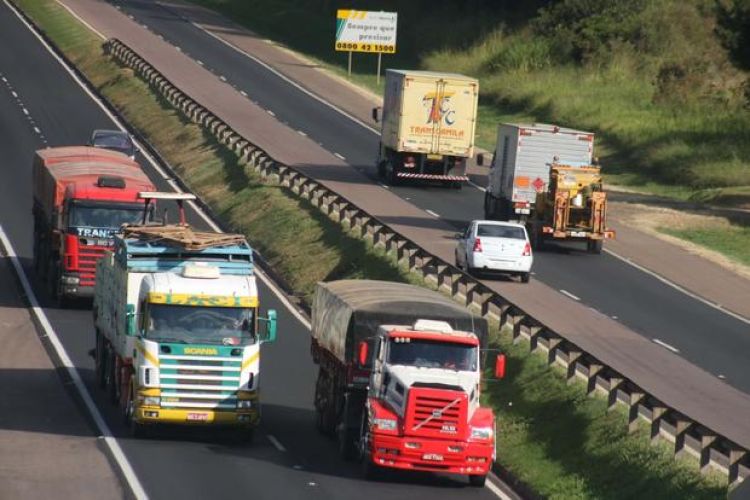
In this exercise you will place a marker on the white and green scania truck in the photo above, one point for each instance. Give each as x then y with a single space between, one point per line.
178 333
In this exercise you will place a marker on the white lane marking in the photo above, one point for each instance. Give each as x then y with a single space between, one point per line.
302 133
722 376
679 288
276 443
36 129
497 490
339 156
109 439
434 214
200 63
222 78
13 93
243 93
386 186
477 186
178 48
25 111
82 21
666 346
270 112
565 292
286 78
114 447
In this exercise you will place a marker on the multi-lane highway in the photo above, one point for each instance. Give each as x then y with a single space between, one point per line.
704 335
42 105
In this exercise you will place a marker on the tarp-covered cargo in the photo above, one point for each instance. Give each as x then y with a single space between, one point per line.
347 311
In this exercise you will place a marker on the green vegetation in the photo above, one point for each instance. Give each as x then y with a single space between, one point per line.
553 437
732 241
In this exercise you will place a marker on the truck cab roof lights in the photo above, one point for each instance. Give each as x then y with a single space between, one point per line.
429 325
201 272
110 181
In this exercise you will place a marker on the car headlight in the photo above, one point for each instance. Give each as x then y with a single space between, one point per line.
151 401
481 432
385 424
245 404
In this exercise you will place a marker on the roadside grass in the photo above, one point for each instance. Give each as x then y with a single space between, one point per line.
732 241
563 444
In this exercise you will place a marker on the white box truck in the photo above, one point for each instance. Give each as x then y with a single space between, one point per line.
428 125
521 165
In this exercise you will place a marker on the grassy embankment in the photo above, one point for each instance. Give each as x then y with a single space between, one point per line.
653 80
562 443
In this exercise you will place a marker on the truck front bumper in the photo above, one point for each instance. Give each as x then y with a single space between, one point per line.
199 417
431 455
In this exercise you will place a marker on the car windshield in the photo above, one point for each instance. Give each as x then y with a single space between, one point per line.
104 215
201 325
498 231
431 354
113 140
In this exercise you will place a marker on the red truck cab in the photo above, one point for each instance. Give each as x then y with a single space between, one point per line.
82 195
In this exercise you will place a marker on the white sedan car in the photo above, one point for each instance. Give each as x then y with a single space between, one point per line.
488 245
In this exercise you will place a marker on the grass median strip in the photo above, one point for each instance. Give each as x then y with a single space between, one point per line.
560 442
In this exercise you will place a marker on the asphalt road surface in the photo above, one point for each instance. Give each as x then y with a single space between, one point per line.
41 105
705 336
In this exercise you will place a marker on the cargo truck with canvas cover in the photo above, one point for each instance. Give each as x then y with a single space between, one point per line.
546 176
399 378
178 331
428 125
81 197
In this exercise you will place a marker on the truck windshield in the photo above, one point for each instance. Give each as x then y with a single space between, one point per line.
201 325
103 215
431 354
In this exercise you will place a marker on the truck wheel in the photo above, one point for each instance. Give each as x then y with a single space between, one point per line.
381 170
478 481
323 419
99 352
371 471
457 185
113 392
391 176
347 444
525 277
594 246
245 435
137 430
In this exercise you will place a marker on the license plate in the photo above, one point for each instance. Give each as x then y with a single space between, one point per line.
433 457
201 417
434 157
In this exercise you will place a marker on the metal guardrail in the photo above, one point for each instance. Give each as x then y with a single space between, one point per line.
688 435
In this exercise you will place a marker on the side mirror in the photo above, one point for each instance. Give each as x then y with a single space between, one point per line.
500 366
362 353
480 159
130 320
270 322
375 114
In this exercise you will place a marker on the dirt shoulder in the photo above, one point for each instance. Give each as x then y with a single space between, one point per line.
47 447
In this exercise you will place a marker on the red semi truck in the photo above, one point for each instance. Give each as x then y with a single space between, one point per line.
82 195
399 378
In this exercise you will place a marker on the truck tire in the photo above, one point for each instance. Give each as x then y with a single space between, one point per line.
370 470
525 277
325 418
477 481
349 430
489 206
381 169
137 430
391 176
99 363
113 393
594 246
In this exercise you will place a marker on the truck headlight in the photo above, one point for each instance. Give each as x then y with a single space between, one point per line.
245 404
481 433
151 401
385 424
71 280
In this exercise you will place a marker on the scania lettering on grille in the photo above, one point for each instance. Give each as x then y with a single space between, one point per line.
205 351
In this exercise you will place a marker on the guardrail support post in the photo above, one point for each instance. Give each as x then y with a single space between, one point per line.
594 369
657 415
573 357
552 347
614 384
735 456
534 332
707 439
635 400
681 427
